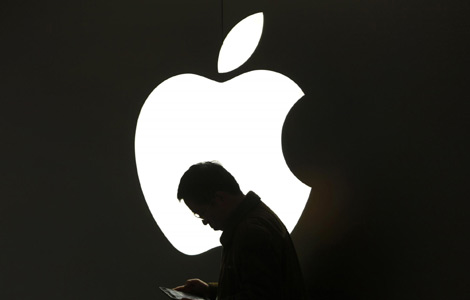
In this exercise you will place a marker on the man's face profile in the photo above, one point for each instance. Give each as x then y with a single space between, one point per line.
208 212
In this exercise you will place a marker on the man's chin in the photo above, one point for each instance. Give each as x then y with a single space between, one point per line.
214 227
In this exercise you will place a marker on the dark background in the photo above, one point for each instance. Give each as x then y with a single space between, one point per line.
379 136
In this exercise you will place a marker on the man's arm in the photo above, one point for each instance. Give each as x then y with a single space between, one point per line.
199 288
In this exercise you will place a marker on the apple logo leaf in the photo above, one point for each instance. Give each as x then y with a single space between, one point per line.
240 43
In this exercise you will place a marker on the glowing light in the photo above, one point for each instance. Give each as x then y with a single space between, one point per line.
189 119
240 43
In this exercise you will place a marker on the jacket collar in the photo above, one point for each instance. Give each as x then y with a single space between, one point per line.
249 202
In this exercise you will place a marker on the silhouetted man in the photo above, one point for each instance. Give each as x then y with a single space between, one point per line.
259 260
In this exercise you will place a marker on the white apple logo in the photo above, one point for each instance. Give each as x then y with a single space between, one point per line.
189 119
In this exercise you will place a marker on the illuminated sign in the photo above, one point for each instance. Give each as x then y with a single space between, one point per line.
189 119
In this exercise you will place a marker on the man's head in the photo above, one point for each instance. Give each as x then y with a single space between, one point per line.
211 192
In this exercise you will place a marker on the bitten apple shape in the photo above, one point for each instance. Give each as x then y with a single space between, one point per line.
189 119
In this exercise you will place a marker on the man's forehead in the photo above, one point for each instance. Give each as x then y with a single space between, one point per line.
192 204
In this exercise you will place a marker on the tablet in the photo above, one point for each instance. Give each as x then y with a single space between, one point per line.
179 295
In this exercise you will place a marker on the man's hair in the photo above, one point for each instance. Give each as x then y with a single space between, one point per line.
201 181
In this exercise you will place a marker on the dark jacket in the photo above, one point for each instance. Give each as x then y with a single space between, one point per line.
258 260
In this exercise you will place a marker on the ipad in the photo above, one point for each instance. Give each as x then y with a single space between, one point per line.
179 295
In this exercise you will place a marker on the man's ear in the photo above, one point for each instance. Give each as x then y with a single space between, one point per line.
220 196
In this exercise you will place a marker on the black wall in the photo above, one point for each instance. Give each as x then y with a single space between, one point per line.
379 136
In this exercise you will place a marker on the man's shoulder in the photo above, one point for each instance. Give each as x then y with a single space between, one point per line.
261 223
263 216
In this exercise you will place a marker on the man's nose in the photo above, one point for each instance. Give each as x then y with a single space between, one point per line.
204 222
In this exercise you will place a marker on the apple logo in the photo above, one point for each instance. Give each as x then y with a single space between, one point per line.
189 119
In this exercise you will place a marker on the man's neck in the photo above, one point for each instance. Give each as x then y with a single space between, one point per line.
235 201
232 202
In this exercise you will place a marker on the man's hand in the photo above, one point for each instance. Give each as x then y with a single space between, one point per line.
194 286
